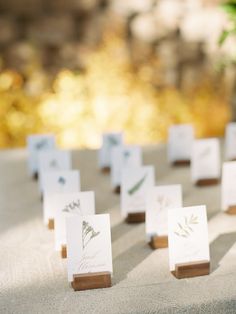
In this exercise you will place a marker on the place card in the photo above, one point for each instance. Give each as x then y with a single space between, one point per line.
136 182
159 200
37 143
205 162
66 205
188 241
228 190
109 141
230 141
180 141
89 253
57 182
121 157
53 160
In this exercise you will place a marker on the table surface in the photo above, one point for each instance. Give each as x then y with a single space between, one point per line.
33 277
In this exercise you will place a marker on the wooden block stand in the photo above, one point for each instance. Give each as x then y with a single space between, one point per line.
207 182
135 218
158 242
183 162
231 210
91 281
193 269
51 224
117 189
105 169
63 251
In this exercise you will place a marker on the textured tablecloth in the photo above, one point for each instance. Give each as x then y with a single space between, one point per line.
33 277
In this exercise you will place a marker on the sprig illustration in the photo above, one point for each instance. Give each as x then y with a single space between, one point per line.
112 141
163 202
205 152
185 229
53 163
62 180
137 185
88 233
41 144
70 208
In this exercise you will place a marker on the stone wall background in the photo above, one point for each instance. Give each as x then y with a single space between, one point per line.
181 34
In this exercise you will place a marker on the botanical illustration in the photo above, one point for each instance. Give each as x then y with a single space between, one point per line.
88 233
61 181
112 141
163 202
137 185
75 205
185 229
126 155
53 163
41 144
205 152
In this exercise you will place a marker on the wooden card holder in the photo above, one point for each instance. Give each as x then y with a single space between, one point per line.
193 269
231 210
91 281
117 189
35 176
183 162
105 170
51 224
158 242
135 217
63 251
207 182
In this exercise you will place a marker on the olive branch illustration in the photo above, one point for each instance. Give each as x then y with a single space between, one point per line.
88 233
137 185
163 202
185 229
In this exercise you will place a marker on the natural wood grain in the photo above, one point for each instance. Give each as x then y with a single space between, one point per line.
159 242
181 162
63 251
51 224
207 182
191 269
231 210
135 217
91 281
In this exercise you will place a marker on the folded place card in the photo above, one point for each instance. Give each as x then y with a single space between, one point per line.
188 241
109 141
228 190
230 141
89 251
136 182
66 205
180 141
58 182
159 200
53 160
36 144
124 156
205 161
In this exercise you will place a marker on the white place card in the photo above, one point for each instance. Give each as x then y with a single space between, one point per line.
88 245
159 200
121 157
180 141
136 182
230 141
53 160
70 204
205 161
228 189
187 235
109 141
37 143
58 182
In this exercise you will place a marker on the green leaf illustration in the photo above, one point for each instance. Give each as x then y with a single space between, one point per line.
137 185
112 141
185 229
88 233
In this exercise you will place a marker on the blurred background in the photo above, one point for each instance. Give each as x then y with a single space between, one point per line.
77 68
